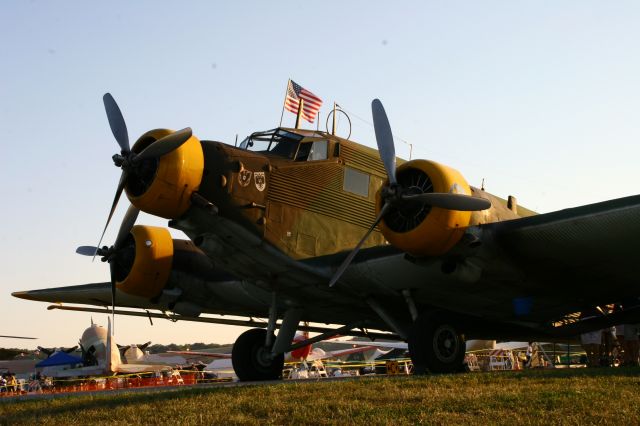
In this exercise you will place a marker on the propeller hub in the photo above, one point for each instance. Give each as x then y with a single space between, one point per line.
119 160
392 193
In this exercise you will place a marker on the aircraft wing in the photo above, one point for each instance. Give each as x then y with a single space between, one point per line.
140 368
84 294
583 254
319 355
387 345
524 275
472 345
202 354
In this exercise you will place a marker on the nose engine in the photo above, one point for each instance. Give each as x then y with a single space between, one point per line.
163 186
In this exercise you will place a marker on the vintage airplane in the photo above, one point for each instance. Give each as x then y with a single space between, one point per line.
273 224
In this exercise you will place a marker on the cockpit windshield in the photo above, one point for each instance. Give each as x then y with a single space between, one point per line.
276 141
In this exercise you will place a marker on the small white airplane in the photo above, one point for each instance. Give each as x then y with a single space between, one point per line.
106 355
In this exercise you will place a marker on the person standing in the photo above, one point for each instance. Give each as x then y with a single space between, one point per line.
528 355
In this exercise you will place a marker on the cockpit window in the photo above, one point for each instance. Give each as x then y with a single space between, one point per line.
319 150
276 141
312 151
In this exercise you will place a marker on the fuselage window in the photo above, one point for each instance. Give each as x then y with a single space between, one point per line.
356 182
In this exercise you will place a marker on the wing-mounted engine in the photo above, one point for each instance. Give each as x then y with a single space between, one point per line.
162 186
145 264
422 207
416 227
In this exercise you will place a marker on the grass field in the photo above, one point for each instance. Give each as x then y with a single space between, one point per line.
579 396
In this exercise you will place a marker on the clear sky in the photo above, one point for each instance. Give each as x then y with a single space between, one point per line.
540 99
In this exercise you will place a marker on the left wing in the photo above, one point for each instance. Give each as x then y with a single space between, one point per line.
573 257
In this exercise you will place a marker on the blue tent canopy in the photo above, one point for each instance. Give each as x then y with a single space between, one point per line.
59 358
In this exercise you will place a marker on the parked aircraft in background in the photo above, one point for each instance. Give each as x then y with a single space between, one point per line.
101 357
302 225
304 354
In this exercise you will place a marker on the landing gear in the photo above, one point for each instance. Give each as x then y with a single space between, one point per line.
252 360
436 346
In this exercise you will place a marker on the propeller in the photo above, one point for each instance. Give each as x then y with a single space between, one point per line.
395 194
113 255
131 163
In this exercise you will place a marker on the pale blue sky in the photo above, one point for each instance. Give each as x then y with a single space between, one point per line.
540 98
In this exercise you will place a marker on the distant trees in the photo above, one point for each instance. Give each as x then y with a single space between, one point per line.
9 354
199 346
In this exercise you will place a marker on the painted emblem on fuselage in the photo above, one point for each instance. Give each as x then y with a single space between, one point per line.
244 177
260 180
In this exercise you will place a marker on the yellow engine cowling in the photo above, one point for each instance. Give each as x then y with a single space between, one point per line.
173 179
437 231
152 263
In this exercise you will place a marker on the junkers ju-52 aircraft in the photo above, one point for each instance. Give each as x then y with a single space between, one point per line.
299 225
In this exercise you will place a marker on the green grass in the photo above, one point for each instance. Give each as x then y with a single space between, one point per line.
602 396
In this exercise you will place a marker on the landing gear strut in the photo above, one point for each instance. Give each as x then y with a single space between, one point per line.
253 360
436 346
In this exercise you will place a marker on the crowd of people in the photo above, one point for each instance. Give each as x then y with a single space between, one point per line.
9 384
617 345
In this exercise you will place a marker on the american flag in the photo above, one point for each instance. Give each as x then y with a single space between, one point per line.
311 104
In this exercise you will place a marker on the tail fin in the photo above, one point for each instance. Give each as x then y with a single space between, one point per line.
112 353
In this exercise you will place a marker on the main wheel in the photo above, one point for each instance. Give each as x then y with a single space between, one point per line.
436 346
252 360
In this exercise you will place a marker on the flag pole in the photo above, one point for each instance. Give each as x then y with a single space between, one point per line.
300 106
284 102
333 129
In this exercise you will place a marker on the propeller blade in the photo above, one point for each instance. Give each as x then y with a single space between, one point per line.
165 145
127 223
87 250
112 270
450 201
121 185
384 138
347 261
116 122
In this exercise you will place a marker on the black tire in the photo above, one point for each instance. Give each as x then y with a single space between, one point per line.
251 359
436 346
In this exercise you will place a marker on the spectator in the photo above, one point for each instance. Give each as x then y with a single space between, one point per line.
529 355
632 346
621 344
12 384
591 341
